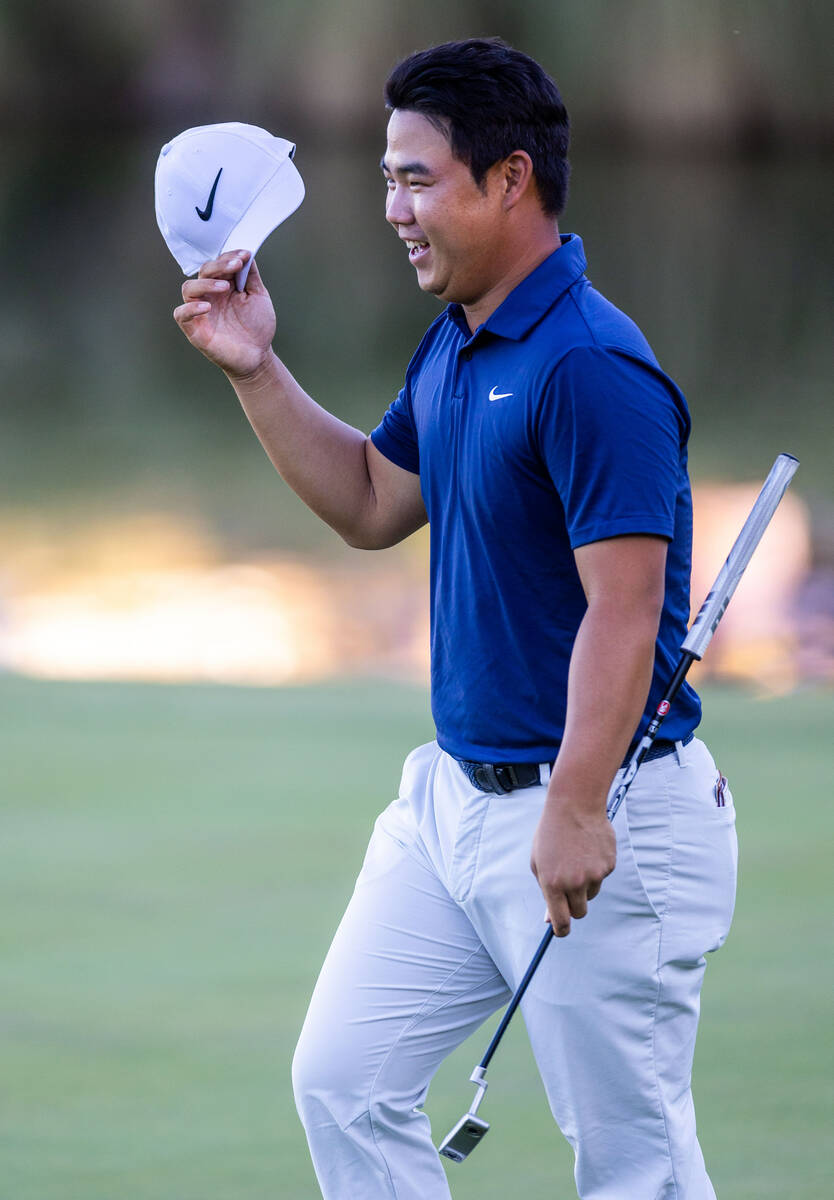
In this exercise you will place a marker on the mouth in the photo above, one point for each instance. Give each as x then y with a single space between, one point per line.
417 250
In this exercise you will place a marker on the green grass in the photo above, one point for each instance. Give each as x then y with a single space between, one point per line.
172 864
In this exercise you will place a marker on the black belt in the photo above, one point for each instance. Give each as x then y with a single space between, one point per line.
501 778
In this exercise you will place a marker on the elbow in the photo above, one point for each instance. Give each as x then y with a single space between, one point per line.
356 539
654 608
364 539
635 619
642 607
649 616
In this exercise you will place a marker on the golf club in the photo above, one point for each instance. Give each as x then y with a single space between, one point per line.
470 1129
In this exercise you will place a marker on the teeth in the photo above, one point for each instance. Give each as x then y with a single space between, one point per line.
416 245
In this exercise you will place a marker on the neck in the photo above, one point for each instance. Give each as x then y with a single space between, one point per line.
522 261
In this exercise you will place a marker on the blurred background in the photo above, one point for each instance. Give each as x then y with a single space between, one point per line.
143 533
175 852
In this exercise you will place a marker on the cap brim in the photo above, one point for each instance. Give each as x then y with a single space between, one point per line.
277 200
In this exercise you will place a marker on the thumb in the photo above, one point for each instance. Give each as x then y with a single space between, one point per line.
254 284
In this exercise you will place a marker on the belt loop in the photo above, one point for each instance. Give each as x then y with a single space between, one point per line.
680 754
495 783
544 773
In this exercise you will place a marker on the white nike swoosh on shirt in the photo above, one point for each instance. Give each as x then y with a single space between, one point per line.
493 395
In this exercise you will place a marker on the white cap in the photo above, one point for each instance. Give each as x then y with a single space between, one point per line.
224 187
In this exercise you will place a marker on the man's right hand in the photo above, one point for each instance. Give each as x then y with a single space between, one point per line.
232 329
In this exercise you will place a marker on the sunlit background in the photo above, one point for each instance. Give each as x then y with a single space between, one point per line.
143 533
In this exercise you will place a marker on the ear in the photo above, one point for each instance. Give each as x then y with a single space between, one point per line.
518 177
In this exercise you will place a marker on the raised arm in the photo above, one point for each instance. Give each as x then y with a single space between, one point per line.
334 468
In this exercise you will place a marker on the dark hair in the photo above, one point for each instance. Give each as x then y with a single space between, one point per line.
489 100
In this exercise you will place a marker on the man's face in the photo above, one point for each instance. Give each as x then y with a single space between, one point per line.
451 226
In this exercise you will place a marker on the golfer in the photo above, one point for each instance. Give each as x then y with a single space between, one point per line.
539 437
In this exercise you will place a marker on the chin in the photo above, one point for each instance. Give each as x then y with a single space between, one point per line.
430 283
444 291
451 292
434 289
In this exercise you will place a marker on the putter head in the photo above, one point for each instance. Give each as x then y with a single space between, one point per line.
462 1140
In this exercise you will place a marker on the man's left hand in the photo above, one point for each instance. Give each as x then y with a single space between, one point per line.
574 849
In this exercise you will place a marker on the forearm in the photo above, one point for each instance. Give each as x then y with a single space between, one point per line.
334 468
608 684
321 458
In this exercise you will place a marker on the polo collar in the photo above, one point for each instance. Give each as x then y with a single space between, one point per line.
530 300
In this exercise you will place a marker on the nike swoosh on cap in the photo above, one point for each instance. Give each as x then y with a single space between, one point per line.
493 395
205 213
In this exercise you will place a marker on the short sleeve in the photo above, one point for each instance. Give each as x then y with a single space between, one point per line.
396 436
612 431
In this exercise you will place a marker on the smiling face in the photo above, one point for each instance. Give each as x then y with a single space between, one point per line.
452 227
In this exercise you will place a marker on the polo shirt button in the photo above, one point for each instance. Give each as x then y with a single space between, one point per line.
467 356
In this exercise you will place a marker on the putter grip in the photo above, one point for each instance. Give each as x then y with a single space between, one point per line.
712 610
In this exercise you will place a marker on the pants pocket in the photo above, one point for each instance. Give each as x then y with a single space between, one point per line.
704 857
467 845
649 828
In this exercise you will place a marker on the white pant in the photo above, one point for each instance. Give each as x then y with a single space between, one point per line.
444 920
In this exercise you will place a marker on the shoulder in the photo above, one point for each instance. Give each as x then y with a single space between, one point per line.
606 326
615 378
583 320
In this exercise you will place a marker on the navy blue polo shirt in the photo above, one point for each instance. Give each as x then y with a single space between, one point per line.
552 426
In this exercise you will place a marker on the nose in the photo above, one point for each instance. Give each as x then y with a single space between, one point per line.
398 206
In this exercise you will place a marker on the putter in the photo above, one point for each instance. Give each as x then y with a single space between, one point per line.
470 1129
463 1139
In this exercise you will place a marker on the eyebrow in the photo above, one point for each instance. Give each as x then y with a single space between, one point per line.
412 168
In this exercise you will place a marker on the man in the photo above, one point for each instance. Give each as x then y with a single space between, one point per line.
541 440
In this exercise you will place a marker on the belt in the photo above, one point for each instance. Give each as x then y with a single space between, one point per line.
502 778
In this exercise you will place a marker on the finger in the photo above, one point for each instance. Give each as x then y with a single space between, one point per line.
254 283
593 890
198 289
187 312
225 265
577 902
557 907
